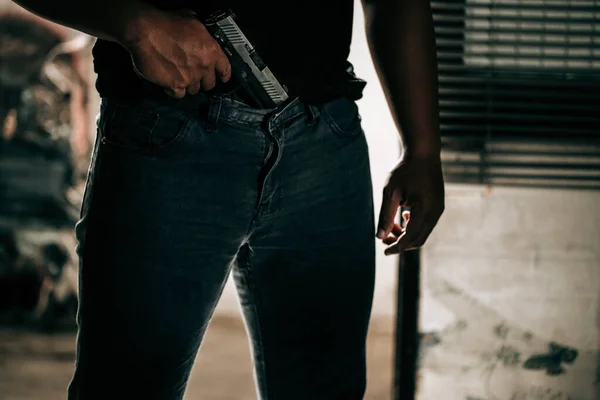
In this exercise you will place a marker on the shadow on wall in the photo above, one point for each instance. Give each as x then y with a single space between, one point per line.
511 306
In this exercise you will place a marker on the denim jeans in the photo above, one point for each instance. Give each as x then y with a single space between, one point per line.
177 199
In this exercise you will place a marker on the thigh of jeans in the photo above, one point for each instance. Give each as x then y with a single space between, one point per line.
306 278
167 206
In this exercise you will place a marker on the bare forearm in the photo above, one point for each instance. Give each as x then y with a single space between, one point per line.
402 43
114 20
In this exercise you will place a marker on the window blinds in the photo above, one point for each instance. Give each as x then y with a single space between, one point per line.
519 85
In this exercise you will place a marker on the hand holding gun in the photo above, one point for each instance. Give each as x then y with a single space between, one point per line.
257 82
184 54
175 51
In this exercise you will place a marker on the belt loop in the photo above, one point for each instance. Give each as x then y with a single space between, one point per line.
313 114
214 111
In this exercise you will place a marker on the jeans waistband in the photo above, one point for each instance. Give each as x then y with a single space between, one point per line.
228 107
220 108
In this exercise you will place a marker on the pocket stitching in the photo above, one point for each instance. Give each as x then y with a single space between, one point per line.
184 131
354 131
115 122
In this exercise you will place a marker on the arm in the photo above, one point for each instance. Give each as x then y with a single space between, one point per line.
402 43
115 20
171 50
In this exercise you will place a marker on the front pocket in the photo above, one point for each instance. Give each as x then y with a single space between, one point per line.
343 117
144 127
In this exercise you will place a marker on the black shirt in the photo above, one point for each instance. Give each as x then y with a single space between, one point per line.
305 43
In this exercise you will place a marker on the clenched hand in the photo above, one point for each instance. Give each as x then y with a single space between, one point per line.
418 184
176 52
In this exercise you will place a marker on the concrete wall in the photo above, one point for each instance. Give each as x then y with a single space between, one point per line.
507 272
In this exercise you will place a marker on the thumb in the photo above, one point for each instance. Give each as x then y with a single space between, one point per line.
178 93
387 214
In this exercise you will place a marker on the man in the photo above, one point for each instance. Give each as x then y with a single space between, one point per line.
185 187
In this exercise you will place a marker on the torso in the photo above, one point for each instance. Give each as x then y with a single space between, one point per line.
305 43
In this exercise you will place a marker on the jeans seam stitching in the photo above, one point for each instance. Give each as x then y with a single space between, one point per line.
256 311
90 187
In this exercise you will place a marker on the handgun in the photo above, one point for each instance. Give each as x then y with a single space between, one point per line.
255 79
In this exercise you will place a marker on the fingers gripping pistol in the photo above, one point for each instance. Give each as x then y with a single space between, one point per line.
249 71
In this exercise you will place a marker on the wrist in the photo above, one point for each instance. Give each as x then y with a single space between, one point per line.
136 23
425 151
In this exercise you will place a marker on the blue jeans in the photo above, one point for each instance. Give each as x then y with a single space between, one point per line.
177 199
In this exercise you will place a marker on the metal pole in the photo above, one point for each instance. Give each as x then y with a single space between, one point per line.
407 326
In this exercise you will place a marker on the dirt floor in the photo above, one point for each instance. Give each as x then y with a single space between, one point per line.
35 366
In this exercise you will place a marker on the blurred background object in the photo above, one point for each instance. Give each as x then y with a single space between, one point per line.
44 152
38 161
